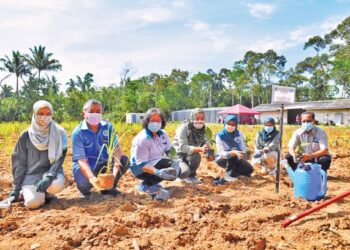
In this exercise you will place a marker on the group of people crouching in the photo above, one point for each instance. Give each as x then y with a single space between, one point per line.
41 149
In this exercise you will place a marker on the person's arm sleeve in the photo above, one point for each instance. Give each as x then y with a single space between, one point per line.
323 140
257 145
113 136
77 147
293 142
141 154
19 162
274 145
220 148
244 145
181 141
57 165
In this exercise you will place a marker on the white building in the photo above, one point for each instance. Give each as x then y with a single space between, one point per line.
135 117
337 111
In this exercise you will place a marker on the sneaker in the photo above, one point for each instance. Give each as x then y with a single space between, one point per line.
85 195
192 180
264 170
161 195
230 178
49 198
113 192
142 187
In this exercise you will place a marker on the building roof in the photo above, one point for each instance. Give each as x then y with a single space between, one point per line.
327 104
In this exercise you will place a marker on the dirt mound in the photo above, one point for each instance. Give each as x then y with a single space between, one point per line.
242 215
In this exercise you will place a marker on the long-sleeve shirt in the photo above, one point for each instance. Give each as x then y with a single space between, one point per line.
273 145
223 149
184 142
148 150
29 164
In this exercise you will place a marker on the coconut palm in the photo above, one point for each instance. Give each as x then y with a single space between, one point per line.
42 61
16 65
6 91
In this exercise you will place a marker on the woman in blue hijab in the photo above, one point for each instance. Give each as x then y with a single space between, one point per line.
232 150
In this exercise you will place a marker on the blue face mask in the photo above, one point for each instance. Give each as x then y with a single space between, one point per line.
268 129
154 126
307 126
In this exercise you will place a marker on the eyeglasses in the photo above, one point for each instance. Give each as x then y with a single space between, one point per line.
306 121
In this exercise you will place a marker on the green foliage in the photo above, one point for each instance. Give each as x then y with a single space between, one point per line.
247 82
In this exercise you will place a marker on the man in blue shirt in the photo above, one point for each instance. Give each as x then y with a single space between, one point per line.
88 159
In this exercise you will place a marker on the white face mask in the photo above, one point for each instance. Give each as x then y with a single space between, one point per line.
93 118
198 124
230 129
44 120
154 126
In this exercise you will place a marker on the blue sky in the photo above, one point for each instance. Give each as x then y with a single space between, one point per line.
101 36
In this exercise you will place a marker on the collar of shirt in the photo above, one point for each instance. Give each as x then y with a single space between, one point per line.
302 131
84 125
150 134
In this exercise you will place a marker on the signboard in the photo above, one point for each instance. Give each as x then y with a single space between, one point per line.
282 94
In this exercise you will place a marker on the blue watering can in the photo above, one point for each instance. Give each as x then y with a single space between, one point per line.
309 181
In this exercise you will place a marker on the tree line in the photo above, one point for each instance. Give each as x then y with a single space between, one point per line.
247 82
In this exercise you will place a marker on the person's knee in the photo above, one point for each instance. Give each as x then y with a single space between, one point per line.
57 185
124 160
194 160
34 202
325 161
185 170
81 181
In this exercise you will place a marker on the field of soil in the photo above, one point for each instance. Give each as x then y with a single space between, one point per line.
246 214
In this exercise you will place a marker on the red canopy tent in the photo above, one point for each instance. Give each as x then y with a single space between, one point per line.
244 113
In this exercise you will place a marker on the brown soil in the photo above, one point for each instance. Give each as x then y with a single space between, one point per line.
246 214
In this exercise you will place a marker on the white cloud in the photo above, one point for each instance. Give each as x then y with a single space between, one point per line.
198 26
261 10
151 14
215 35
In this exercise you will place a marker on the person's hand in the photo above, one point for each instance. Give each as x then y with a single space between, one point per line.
166 173
43 184
305 157
14 193
205 148
237 153
266 150
94 182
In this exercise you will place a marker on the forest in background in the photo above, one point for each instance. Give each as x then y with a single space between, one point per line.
247 82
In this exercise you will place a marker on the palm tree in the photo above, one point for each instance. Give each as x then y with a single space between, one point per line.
6 91
16 65
41 61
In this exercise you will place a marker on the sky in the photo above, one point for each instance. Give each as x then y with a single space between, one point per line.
104 36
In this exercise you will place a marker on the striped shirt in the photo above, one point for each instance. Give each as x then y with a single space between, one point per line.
316 140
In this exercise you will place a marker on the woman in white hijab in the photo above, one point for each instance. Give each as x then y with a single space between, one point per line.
38 157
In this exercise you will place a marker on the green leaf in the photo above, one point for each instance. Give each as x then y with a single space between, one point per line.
172 152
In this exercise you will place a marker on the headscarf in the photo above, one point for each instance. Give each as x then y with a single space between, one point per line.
195 136
268 137
230 138
52 138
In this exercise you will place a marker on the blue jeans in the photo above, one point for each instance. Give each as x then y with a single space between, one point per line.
83 183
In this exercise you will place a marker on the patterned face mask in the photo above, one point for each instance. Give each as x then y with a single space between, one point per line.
198 124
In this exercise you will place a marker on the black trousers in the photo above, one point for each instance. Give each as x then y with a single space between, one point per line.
234 166
151 179
324 161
